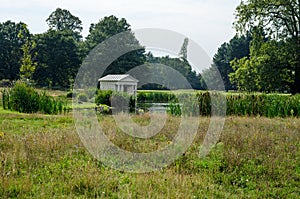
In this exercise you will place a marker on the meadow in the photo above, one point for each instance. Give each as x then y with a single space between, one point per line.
257 155
42 157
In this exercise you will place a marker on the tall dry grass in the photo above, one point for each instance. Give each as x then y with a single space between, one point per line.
256 157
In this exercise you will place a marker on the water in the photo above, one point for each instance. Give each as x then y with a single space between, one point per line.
154 107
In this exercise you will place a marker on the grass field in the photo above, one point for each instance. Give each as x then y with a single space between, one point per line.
42 157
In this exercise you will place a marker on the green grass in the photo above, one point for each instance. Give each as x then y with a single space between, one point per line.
42 157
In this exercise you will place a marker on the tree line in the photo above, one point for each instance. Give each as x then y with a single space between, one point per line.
52 59
263 56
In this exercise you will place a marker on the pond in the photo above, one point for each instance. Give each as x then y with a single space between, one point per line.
153 107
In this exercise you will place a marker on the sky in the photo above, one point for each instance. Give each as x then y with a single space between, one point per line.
207 22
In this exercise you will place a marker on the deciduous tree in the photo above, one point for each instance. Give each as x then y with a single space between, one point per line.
236 48
58 59
280 19
27 64
10 48
111 26
63 20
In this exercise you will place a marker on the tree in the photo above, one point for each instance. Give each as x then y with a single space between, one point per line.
211 75
192 77
63 20
111 26
245 75
58 59
10 48
104 29
266 69
237 48
280 19
182 66
27 64
183 51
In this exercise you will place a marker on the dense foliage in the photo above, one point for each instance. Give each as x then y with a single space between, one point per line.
52 59
199 103
277 60
264 56
238 104
179 64
236 48
25 99
10 48
103 97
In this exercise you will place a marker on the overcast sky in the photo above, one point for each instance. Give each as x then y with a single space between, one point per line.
207 22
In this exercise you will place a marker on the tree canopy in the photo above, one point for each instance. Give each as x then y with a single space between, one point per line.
58 58
236 48
53 58
105 28
63 20
280 20
180 65
264 55
111 26
10 48
266 69
28 65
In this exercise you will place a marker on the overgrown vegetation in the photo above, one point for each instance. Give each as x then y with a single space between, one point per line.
155 96
25 99
268 105
42 157
120 101
103 97
239 104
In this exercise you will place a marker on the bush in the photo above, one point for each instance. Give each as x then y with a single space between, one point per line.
23 98
120 101
155 97
174 109
91 92
103 97
46 103
82 97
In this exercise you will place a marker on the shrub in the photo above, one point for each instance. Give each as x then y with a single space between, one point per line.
268 105
174 109
120 101
155 97
103 97
82 97
46 103
91 92
204 102
5 99
23 98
